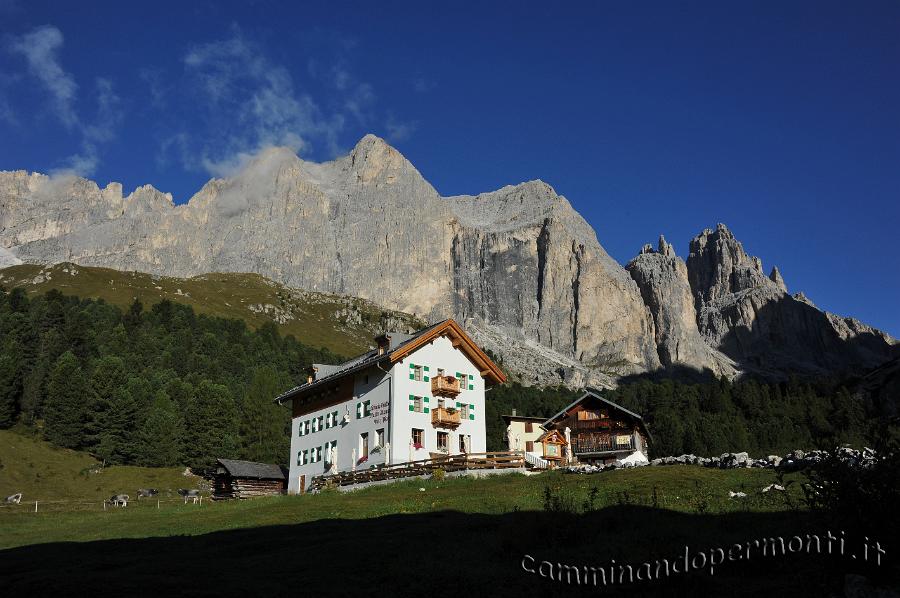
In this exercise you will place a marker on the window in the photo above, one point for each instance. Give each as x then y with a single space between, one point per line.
418 404
306 427
463 410
334 418
305 458
443 442
379 437
440 403
418 373
529 446
315 425
529 427
299 457
299 428
321 422
465 441
465 381
418 438
364 445
329 450
363 409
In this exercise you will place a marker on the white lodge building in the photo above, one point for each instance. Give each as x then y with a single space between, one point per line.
411 398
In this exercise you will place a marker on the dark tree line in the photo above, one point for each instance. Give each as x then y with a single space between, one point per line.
155 387
165 386
713 417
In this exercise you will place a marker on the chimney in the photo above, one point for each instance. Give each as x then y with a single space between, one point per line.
384 343
514 412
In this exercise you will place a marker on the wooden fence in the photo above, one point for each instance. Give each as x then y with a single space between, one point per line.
449 463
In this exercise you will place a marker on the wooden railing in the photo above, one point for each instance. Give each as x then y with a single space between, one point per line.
601 446
441 416
445 386
449 463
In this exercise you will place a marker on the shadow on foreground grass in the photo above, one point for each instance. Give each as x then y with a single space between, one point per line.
443 553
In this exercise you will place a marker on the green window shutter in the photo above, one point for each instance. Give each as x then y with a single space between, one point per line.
426 410
471 411
412 407
425 399
425 368
412 376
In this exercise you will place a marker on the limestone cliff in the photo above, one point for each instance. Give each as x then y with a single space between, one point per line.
519 266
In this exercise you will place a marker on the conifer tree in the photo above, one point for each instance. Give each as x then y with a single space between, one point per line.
160 440
211 425
65 408
265 424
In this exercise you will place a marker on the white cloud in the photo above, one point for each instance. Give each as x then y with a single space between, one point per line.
249 104
40 48
399 131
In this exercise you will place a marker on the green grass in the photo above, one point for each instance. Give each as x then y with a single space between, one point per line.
455 537
345 325
71 492
62 479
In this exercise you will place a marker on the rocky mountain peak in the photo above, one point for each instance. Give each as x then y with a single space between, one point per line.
775 276
518 266
718 265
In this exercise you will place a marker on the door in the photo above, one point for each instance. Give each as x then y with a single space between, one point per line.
302 489
364 445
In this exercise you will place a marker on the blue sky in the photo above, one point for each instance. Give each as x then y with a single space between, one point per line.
779 119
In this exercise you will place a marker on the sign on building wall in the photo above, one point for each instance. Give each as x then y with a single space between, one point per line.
381 412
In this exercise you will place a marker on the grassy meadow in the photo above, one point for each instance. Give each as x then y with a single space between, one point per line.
443 537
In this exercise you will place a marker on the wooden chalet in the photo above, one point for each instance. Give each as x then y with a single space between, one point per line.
600 431
246 479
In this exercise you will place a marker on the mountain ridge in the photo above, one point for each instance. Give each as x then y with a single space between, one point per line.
518 265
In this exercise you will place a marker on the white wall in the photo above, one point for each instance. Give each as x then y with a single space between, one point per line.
438 354
389 396
347 435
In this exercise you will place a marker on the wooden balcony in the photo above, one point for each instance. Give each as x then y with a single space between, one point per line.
445 386
607 444
445 418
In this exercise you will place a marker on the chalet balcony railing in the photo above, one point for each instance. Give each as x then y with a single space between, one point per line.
445 418
593 424
445 386
602 445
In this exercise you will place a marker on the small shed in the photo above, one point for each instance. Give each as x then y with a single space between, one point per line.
247 479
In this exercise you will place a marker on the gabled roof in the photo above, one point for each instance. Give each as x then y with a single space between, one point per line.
560 439
402 345
250 469
595 394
